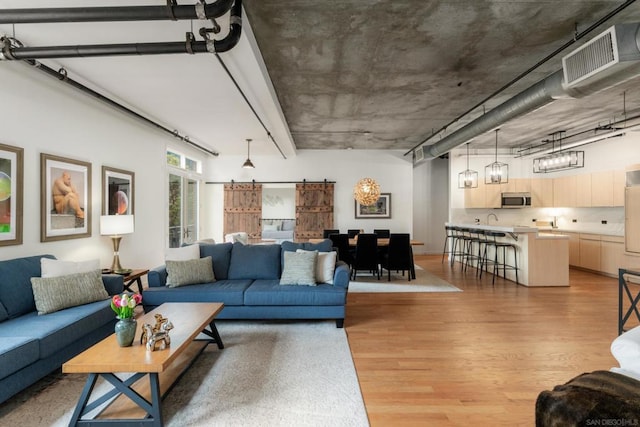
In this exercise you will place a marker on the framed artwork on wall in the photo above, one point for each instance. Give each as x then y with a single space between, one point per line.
65 198
117 191
11 192
380 209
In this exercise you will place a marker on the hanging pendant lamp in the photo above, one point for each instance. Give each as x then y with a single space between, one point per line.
496 172
366 191
248 164
468 178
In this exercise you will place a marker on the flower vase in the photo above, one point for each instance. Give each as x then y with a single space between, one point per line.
126 331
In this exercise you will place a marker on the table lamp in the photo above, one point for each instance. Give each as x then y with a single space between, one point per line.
115 226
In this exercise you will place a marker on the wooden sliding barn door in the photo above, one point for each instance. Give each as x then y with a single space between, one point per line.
314 210
243 209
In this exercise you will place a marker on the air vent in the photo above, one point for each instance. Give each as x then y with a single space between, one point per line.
610 51
419 154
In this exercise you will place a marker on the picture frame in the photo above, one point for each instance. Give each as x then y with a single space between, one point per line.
65 198
118 191
380 209
11 194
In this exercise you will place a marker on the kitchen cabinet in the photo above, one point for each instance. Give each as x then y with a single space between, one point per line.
583 190
564 191
612 254
484 196
590 251
574 248
632 220
602 188
541 192
518 185
618 187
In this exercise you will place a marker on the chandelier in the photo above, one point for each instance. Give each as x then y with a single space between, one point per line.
496 172
468 178
558 159
366 191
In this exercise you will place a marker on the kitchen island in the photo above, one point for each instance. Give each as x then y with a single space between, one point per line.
543 258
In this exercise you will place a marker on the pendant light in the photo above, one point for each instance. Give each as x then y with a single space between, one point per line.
248 164
366 191
468 178
496 172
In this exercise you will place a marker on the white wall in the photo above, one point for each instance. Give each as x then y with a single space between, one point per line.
389 168
430 204
43 115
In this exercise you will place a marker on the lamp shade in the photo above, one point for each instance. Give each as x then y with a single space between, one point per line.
366 191
113 225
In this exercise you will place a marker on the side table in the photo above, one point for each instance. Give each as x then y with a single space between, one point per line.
134 277
632 297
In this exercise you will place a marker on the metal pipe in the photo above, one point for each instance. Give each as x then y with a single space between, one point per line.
169 12
63 78
85 51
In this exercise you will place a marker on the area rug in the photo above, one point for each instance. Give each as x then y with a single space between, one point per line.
424 282
269 373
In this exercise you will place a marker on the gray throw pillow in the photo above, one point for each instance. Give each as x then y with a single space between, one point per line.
190 272
56 293
299 268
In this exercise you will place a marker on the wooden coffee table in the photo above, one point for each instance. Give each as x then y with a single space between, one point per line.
132 400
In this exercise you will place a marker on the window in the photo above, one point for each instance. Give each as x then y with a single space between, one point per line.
184 183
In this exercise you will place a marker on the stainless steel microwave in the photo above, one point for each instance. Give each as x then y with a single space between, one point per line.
516 200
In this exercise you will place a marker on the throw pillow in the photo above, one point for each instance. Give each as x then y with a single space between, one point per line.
190 272
299 268
626 350
56 267
183 253
325 266
269 227
56 293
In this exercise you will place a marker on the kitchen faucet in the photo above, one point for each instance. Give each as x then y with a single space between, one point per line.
494 215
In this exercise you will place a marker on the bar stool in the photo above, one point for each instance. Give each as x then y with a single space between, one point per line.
461 245
476 250
450 235
497 263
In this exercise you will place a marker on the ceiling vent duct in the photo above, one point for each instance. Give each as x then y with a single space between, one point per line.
612 52
418 154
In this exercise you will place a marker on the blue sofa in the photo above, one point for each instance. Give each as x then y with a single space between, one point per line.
32 345
248 283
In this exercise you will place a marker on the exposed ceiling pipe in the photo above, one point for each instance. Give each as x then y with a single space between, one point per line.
171 11
547 90
190 46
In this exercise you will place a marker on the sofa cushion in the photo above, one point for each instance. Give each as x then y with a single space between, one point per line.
626 350
58 330
254 262
325 246
3 313
299 268
15 284
221 255
271 293
325 266
56 293
56 267
16 353
229 292
189 272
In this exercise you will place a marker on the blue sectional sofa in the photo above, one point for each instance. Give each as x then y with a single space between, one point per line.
32 345
247 281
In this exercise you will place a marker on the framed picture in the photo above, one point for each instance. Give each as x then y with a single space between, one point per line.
11 191
380 209
117 191
65 198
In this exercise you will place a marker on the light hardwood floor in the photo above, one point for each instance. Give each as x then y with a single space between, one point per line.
478 357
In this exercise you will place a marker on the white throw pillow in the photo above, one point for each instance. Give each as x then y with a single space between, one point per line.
325 266
57 268
269 227
183 253
626 350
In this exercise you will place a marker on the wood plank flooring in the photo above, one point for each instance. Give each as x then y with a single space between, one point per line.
478 357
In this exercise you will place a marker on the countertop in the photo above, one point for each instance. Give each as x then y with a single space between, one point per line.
531 229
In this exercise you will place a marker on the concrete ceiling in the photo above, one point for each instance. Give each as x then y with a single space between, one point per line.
359 74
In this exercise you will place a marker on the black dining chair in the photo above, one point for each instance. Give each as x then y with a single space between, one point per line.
327 232
399 255
382 233
353 233
366 257
341 245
